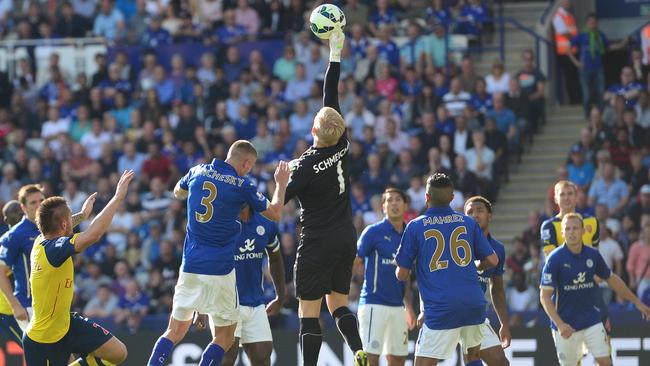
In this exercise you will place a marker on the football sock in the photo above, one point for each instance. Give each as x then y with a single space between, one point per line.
212 355
474 363
310 340
346 321
160 352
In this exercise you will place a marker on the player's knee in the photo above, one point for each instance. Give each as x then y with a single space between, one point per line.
260 358
230 357
118 354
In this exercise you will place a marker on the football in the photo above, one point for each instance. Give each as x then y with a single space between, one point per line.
324 19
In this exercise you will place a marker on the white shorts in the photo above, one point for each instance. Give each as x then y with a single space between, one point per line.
441 343
383 329
490 337
23 323
213 295
253 325
570 351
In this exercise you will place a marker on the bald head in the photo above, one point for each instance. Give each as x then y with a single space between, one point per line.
12 213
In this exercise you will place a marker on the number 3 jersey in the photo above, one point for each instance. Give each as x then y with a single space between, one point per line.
320 179
216 194
443 244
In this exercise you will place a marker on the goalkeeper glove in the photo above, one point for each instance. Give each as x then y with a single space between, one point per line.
337 38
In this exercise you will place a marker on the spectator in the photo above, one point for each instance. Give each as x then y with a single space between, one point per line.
94 139
70 25
531 236
374 179
386 47
467 77
592 45
230 32
101 305
609 190
497 81
611 252
109 23
356 12
628 88
386 84
471 18
156 165
532 83
506 122
412 52
273 20
456 99
209 12
521 297
621 150
299 87
464 180
438 13
581 171
383 17
480 158
284 67
358 118
300 121
9 185
247 17
640 207
638 262
155 35
90 281
315 65
642 108
132 306
396 139
416 193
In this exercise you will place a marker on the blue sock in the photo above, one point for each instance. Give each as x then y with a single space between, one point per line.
160 352
212 355
474 363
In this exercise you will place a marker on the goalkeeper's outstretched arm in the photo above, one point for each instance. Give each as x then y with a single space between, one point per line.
331 85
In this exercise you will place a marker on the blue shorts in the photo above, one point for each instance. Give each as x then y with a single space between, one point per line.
9 327
83 338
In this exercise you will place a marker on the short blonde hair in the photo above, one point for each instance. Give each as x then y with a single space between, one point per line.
564 183
573 215
329 126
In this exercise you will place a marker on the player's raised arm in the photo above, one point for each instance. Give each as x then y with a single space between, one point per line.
331 85
102 221
282 174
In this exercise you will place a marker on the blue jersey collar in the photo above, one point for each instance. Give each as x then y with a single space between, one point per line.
438 210
222 163
386 223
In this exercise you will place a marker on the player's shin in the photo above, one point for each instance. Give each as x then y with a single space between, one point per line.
347 323
310 340
212 355
161 351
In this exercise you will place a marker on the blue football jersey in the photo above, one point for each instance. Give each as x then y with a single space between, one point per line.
216 196
378 245
258 236
498 270
443 244
571 276
15 250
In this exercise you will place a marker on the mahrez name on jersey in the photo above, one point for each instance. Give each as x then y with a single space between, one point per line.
437 220
327 163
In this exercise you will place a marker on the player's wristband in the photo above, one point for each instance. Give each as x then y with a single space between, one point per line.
335 56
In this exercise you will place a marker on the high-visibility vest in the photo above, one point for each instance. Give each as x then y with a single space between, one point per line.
562 41
645 43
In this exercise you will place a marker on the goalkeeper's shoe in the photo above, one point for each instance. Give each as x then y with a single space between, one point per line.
361 358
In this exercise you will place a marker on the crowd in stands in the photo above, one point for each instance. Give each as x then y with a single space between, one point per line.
610 164
410 111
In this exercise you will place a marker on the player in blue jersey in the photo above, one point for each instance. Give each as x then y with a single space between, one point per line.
12 214
215 194
258 239
385 309
492 346
569 292
443 245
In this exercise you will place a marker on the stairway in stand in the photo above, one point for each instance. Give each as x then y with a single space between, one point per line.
530 180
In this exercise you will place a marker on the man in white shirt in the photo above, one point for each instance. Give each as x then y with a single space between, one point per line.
461 135
613 256
94 139
480 157
456 99
358 118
